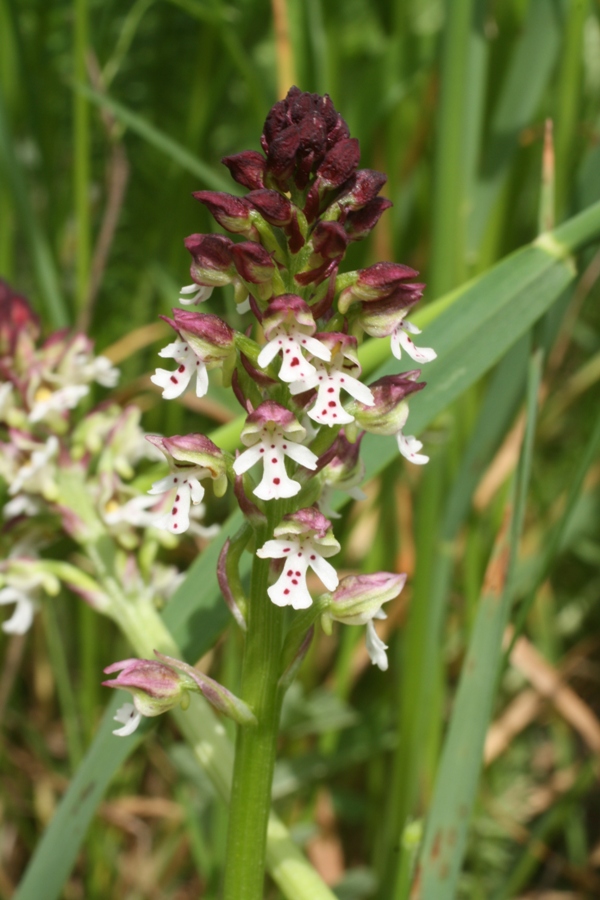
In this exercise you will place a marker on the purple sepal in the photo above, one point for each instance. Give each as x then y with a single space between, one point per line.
288 309
376 283
329 240
381 317
192 449
209 336
388 414
211 254
223 580
253 262
304 521
232 213
247 168
274 207
339 164
155 687
361 222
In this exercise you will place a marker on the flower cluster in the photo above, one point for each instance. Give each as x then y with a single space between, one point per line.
295 369
64 468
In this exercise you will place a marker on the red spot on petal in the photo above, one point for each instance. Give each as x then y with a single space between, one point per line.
175 525
272 446
295 361
285 446
298 574
313 556
174 511
330 390
341 380
331 403
277 481
262 449
324 412
290 573
181 369
294 581
175 480
177 498
174 380
274 460
287 351
286 591
286 549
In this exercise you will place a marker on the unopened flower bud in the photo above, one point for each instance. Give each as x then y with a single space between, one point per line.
360 223
358 598
274 207
211 253
247 168
329 240
374 283
253 262
211 339
363 187
16 319
232 213
389 411
155 687
197 451
340 163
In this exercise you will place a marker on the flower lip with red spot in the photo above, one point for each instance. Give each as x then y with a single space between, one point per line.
247 168
211 259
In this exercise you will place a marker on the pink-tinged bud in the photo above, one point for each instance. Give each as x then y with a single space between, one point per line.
232 213
380 318
253 262
16 318
211 254
388 414
222 699
235 605
274 207
358 598
288 310
360 223
211 339
373 283
340 163
306 522
329 240
272 416
344 467
247 168
298 133
184 450
155 687
361 189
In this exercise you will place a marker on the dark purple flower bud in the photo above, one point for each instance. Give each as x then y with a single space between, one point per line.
16 318
361 189
340 163
343 462
273 206
253 262
211 254
281 155
373 283
232 213
247 168
329 240
361 222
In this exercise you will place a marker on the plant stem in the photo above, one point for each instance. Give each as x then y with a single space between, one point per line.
255 747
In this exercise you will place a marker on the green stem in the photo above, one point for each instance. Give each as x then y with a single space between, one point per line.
142 625
255 748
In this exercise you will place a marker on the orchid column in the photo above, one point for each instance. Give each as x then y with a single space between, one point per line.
296 373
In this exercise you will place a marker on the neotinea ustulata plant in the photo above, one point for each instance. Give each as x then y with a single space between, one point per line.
295 371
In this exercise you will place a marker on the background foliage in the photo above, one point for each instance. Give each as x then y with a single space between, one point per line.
110 115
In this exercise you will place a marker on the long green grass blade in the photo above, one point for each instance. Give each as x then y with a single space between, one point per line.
173 150
458 774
